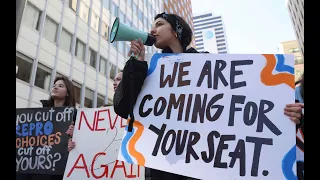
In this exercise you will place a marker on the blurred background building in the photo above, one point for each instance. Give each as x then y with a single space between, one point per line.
292 47
296 11
183 8
70 38
210 33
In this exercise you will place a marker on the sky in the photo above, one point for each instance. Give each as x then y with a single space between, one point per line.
252 26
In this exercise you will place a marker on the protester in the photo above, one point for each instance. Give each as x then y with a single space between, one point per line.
173 35
71 144
117 79
62 94
295 112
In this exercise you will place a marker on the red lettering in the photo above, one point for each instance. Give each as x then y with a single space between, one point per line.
75 165
105 173
97 119
114 122
119 166
102 166
123 125
131 175
83 116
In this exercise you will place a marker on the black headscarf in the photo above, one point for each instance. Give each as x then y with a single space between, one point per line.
183 30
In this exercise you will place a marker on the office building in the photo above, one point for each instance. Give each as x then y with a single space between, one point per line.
296 11
292 47
70 38
210 33
183 8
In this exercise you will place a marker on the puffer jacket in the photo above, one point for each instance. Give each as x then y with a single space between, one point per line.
125 97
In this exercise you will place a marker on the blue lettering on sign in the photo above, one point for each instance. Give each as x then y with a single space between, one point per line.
48 128
34 129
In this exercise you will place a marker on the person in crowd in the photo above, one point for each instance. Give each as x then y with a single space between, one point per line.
296 113
173 35
71 144
62 94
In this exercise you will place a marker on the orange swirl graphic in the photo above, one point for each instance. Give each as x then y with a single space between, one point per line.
131 146
270 79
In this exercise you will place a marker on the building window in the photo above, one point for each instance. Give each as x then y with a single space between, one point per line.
31 17
294 50
72 4
223 48
100 101
59 75
121 16
106 3
112 71
92 55
104 30
128 22
114 9
77 92
80 49
114 44
65 40
84 12
94 21
134 8
140 15
145 22
298 60
88 100
128 49
50 30
24 65
103 66
150 10
121 47
129 3
43 77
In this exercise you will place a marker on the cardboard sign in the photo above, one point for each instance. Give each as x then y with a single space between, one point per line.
41 139
215 116
98 134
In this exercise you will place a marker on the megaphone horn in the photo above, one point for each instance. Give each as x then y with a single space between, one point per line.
122 32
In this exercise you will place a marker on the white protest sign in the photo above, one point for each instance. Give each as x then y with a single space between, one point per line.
98 133
215 116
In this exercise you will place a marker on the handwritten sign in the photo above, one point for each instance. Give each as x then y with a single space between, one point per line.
41 139
98 134
214 116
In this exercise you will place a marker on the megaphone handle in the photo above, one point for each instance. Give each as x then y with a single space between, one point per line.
132 55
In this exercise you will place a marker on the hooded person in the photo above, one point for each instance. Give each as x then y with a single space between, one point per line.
173 35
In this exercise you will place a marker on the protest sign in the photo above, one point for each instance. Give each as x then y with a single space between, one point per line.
98 133
215 116
41 139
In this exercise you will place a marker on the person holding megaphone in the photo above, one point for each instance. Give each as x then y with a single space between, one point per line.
170 33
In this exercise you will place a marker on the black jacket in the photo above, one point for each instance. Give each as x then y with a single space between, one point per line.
134 74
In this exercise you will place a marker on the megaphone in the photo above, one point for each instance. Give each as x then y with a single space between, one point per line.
122 32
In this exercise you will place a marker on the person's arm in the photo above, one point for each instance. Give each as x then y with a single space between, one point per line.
134 73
